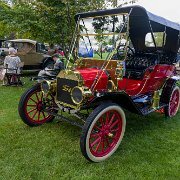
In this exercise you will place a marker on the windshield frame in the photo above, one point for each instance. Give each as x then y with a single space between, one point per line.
77 35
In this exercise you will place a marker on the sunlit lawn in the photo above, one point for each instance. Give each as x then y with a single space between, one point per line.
149 150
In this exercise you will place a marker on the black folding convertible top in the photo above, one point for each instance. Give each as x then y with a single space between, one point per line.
142 22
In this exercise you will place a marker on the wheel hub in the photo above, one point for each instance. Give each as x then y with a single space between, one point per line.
110 135
39 106
106 131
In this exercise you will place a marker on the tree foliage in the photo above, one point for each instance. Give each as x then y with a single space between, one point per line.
45 20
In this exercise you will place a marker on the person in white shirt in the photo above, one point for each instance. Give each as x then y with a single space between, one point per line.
11 63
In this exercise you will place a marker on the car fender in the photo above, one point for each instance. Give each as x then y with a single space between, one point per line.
167 89
120 98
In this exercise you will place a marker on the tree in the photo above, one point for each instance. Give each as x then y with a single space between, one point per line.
45 20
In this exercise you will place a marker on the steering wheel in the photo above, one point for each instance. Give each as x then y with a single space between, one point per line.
120 52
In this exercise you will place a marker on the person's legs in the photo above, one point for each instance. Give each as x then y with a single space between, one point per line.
42 73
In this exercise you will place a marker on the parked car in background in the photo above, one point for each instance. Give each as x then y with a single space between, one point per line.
32 53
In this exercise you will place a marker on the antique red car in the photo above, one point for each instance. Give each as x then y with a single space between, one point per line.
137 74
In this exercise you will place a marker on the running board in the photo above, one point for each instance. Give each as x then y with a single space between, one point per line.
146 111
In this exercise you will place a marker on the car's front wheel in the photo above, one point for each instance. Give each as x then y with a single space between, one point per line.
103 132
31 107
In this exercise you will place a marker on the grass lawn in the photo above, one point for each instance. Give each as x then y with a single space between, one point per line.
150 148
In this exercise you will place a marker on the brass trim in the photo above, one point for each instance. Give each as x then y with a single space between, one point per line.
156 99
114 87
72 75
70 93
119 72
86 92
81 92
49 85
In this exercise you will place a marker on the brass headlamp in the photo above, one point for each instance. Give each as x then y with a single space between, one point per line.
79 94
48 87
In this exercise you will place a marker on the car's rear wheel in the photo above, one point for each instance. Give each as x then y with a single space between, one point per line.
174 102
103 132
31 107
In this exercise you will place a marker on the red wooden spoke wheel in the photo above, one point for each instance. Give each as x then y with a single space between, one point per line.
174 103
103 132
31 107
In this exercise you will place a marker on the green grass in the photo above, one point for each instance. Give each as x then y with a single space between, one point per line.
150 148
